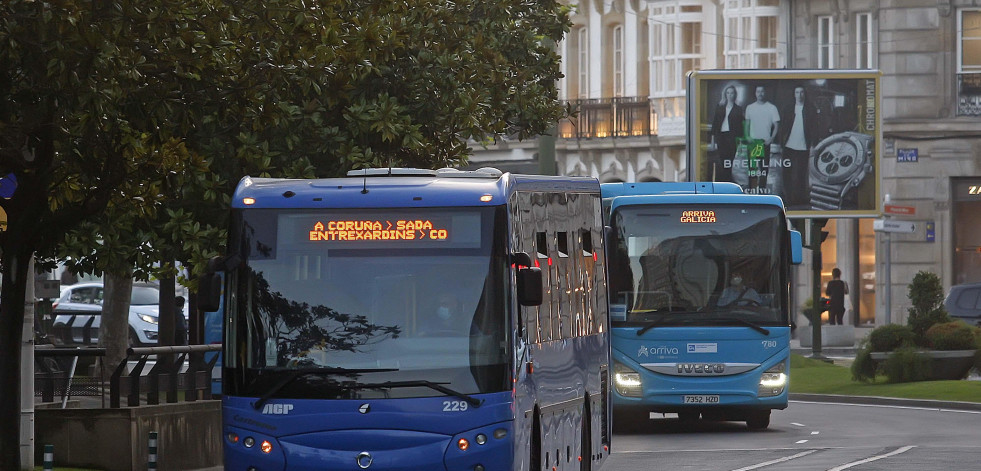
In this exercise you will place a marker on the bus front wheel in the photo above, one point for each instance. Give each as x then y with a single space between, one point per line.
758 420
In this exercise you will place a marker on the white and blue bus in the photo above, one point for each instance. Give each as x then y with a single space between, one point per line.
412 319
699 277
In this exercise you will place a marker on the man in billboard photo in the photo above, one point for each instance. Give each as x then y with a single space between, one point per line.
727 126
797 137
764 122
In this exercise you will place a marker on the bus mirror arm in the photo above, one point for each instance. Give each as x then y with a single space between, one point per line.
226 263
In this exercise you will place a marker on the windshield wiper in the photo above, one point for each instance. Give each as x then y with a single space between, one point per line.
294 374
473 401
652 324
747 323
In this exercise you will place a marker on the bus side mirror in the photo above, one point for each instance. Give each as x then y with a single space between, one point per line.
796 248
209 292
530 286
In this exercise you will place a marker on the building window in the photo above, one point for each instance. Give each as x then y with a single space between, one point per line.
863 41
676 49
969 63
618 61
826 46
582 44
751 32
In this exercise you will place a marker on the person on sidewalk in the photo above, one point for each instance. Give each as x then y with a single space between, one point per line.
836 291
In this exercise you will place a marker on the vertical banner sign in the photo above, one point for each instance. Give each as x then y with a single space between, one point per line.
810 137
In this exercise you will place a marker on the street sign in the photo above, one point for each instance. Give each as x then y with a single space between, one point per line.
908 155
899 210
889 225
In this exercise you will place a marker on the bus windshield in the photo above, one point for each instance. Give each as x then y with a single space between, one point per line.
697 265
369 301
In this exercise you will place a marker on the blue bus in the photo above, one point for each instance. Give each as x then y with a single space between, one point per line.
414 319
699 277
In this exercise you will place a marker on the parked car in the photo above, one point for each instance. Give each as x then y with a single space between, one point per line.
78 313
964 302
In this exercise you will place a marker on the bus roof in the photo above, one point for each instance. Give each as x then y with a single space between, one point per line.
612 190
400 187
621 194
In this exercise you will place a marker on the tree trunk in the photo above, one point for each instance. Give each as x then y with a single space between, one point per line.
16 260
114 331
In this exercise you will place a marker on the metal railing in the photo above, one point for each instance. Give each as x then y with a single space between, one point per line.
50 379
164 375
171 370
610 117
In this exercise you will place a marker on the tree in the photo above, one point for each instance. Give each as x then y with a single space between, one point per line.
128 123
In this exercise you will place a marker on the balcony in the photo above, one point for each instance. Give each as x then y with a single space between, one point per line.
610 117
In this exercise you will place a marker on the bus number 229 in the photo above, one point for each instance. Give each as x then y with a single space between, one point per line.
455 406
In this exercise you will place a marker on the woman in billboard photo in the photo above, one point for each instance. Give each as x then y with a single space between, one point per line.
727 126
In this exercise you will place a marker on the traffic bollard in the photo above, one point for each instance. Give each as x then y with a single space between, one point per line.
151 464
48 457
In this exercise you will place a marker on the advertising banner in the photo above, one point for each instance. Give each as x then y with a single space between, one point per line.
808 136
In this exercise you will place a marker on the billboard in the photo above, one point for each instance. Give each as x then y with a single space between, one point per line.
808 136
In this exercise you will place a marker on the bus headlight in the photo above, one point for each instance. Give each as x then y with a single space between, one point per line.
626 381
773 381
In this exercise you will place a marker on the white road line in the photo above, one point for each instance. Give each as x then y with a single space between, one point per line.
815 432
873 458
799 425
886 406
800 441
781 460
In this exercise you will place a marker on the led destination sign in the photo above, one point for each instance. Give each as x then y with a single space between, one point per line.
695 217
366 230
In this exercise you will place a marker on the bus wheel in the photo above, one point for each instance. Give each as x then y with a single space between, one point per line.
586 449
758 420
535 458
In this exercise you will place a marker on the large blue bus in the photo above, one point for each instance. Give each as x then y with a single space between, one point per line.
699 277
413 319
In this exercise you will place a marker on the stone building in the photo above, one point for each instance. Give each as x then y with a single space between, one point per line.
625 64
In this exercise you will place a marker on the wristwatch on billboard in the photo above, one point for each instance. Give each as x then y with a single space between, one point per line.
838 164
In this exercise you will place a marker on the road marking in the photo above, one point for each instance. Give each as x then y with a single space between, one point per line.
873 458
800 441
886 406
799 425
815 433
781 460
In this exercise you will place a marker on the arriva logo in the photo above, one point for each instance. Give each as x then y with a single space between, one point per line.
277 409
664 350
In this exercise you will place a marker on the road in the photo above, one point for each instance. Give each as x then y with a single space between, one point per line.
806 437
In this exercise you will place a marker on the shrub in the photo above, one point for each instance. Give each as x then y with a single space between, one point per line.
954 335
906 365
864 367
889 337
926 292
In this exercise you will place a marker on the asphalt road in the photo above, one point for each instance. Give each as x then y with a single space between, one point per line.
809 436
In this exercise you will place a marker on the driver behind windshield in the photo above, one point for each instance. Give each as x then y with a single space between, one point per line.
738 293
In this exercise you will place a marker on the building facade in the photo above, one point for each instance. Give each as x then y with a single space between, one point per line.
625 64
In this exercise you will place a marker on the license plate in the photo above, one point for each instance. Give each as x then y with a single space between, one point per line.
701 399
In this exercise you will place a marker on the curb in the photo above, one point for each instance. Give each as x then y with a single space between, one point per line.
886 401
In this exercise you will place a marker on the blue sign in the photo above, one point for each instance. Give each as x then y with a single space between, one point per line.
908 155
931 234
7 186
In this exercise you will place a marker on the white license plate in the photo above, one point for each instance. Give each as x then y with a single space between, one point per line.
701 399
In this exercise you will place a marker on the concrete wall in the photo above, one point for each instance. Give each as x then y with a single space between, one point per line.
188 436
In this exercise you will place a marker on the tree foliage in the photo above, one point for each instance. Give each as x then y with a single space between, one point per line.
127 123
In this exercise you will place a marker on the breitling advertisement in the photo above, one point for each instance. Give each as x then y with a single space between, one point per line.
808 136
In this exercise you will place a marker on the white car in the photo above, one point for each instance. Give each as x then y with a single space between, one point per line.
78 312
